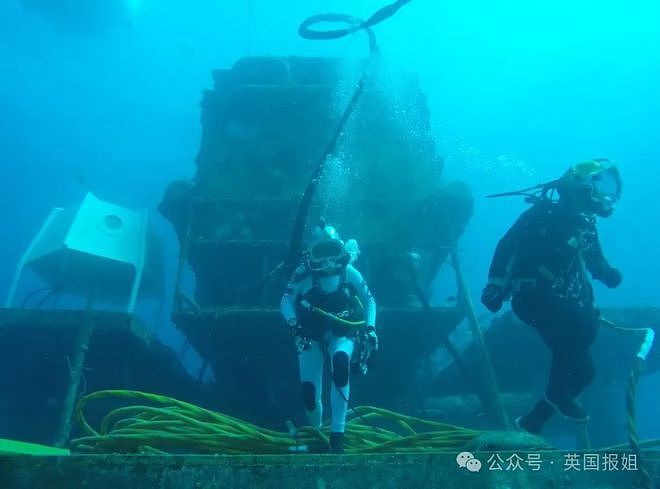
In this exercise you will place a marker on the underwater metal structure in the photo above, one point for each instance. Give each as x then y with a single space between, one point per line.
105 255
265 124
38 351
233 223
96 246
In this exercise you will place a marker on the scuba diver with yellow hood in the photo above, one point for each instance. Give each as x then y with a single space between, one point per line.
541 264
329 308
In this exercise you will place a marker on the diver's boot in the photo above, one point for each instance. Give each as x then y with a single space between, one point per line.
569 409
536 418
336 443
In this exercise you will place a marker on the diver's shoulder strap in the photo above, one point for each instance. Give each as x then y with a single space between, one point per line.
348 285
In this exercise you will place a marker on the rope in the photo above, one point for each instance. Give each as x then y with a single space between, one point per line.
645 476
646 480
160 424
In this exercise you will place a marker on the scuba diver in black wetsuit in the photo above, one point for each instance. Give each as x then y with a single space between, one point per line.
329 308
541 263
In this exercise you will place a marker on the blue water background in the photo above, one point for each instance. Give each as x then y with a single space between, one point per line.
107 102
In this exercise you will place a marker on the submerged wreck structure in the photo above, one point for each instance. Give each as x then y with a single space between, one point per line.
265 124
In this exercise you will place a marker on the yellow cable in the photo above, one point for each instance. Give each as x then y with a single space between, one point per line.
334 317
169 425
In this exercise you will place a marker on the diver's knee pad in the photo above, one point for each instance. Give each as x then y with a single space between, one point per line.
340 365
309 396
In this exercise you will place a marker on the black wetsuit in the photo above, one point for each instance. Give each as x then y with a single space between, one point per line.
542 261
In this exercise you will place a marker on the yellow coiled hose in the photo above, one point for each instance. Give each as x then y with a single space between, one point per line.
160 424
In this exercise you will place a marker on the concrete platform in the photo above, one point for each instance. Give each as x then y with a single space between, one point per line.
396 471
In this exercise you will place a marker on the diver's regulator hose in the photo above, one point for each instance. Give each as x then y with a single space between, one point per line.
305 30
354 24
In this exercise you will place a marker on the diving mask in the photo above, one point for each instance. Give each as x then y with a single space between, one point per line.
595 185
605 191
327 255
605 186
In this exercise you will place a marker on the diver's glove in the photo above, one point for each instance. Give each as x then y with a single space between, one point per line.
611 277
300 341
492 297
371 339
